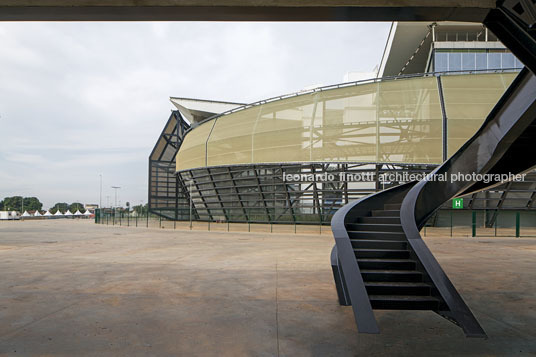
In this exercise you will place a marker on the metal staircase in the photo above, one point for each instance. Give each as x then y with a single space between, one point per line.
380 261
391 274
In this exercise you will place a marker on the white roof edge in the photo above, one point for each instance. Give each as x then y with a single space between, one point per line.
387 48
205 100
196 110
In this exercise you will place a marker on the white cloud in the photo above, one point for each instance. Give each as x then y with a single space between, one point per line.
80 99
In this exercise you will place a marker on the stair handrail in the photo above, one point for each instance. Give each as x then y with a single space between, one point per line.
478 155
355 286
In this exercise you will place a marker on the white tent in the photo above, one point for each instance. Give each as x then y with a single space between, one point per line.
26 214
58 213
47 214
87 213
68 213
37 214
78 213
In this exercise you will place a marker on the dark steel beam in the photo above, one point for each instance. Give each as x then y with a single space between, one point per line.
217 194
237 193
504 195
445 120
230 198
472 200
187 196
261 194
192 177
244 10
514 33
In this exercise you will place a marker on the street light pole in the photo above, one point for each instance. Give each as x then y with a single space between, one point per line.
191 203
100 195
116 188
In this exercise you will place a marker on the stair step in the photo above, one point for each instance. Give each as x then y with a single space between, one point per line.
381 253
385 213
374 263
391 275
392 206
374 227
398 236
403 302
397 288
378 244
378 220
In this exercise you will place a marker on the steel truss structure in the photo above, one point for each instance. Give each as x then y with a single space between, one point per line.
165 189
260 193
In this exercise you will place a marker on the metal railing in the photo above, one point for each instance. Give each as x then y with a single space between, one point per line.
445 223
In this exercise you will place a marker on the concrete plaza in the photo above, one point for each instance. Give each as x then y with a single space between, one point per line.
72 288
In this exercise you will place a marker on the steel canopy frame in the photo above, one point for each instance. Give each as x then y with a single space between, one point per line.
166 192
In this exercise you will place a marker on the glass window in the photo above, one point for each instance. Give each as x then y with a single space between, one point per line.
507 60
455 61
478 59
468 61
494 60
441 62
481 60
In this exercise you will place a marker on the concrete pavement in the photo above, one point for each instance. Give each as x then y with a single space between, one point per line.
75 288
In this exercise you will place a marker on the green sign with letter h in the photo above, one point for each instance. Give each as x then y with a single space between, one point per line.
457 203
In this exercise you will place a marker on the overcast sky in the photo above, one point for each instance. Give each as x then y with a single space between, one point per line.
82 99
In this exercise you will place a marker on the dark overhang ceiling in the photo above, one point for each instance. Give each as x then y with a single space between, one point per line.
245 10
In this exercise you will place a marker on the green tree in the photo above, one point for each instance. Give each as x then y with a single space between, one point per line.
62 206
2 205
140 209
32 204
75 206
13 203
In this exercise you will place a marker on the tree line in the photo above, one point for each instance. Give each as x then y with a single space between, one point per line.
18 203
63 207
15 203
139 209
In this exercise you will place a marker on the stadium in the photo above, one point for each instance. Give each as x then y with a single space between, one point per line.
437 82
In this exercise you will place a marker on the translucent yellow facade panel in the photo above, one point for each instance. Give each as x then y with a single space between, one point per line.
468 101
231 139
283 129
193 149
409 121
345 125
396 121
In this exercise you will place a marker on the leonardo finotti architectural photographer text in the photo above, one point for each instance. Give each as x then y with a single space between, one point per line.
400 177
